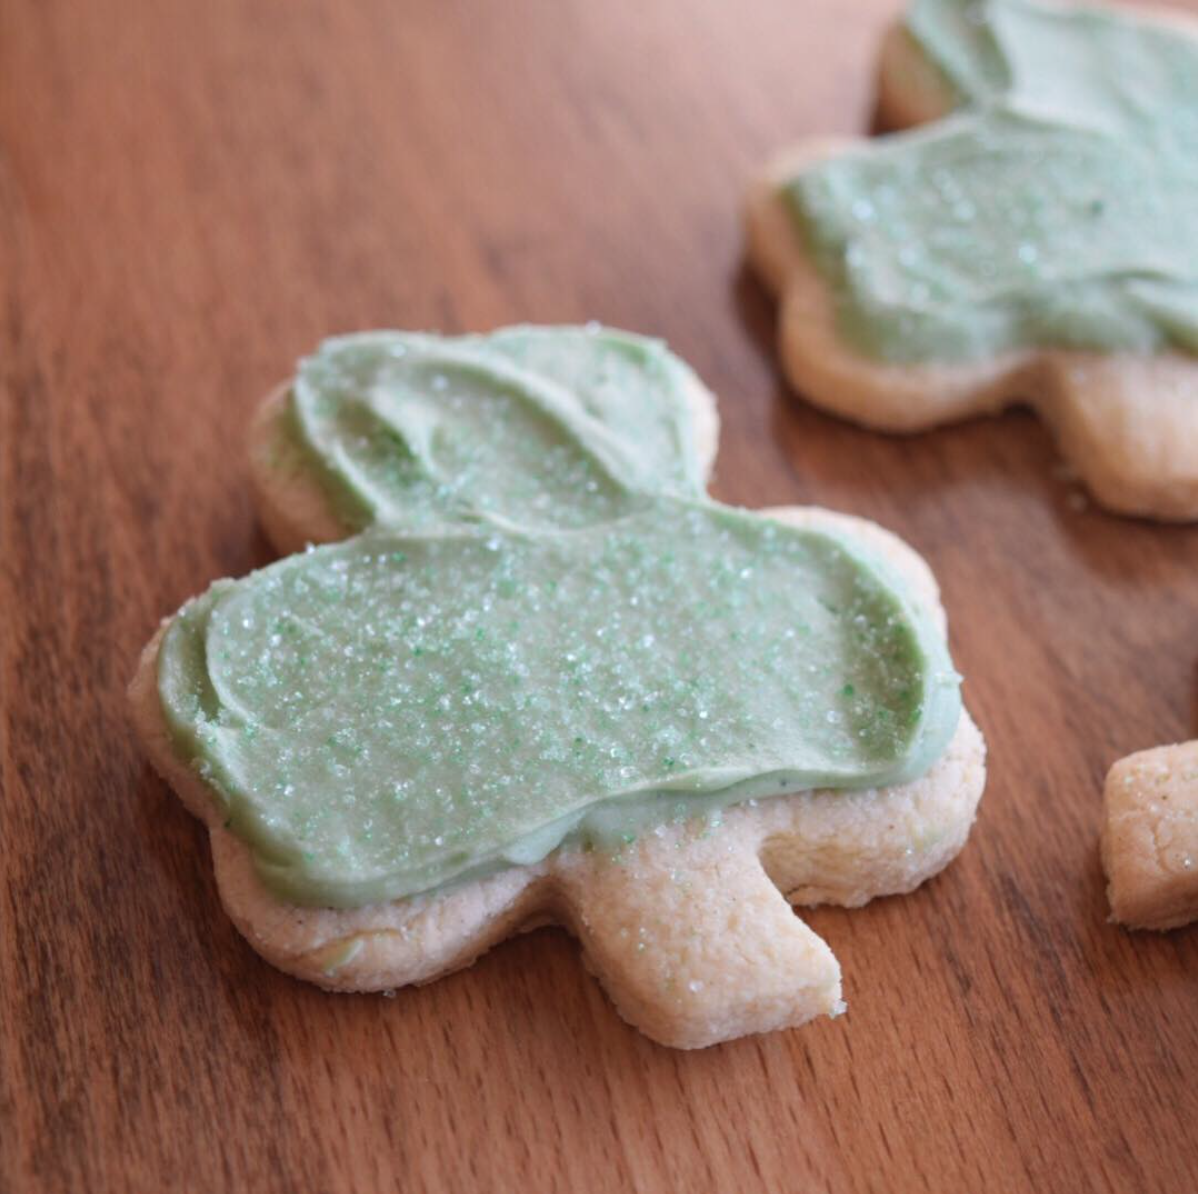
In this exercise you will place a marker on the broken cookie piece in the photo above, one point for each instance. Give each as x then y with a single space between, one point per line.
1150 837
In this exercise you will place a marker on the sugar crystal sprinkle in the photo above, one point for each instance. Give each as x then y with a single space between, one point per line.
436 699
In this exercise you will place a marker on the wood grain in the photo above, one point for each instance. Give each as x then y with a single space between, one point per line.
190 196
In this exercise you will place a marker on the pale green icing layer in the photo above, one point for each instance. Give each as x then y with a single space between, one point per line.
385 715
433 700
1056 208
535 426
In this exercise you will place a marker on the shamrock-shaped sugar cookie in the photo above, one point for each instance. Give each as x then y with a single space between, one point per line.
540 675
1036 240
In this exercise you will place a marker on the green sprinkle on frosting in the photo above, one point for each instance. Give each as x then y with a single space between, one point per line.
480 676
558 427
1055 208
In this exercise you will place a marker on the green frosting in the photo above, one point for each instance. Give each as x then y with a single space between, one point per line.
561 426
479 676
1056 208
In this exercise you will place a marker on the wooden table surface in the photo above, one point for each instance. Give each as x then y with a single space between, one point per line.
191 195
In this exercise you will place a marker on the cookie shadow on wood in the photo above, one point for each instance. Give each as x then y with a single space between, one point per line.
180 891
1129 963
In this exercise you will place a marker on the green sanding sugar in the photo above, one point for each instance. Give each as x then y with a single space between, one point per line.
467 688
1055 208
